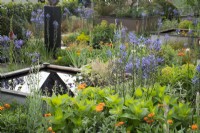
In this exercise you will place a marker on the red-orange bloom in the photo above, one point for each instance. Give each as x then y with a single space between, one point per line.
170 121
194 127
6 106
82 86
151 115
100 107
1 108
145 118
47 115
119 124
181 54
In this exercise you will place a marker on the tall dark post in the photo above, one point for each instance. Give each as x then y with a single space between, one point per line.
52 25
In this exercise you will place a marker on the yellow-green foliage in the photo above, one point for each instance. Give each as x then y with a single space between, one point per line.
92 107
185 24
174 74
83 37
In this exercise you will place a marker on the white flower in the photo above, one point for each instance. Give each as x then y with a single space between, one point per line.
187 50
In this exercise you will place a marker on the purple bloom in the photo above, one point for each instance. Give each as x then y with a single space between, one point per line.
198 68
129 67
18 43
123 32
195 80
122 47
33 14
88 13
166 36
5 39
28 33
132 38
175 12
156 45
148 41
39 11
55 24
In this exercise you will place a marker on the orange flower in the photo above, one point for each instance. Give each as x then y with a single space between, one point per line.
194 127
110 44
119 124
47 115
170 121
102 104
150 121
82 86
151 115
50 129
145 118
6 106
1 108
181 54
100 107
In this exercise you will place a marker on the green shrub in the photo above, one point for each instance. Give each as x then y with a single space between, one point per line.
100 110
169 24
102 33
185 24
17 27
13 119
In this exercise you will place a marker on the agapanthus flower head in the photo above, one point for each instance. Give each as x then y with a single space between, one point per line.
88 13
39 11
28 34
132 37
156 45
195 80
122 47
166 36
18 43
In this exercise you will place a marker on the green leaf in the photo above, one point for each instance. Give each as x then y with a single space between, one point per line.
130 116
138 92
58 114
